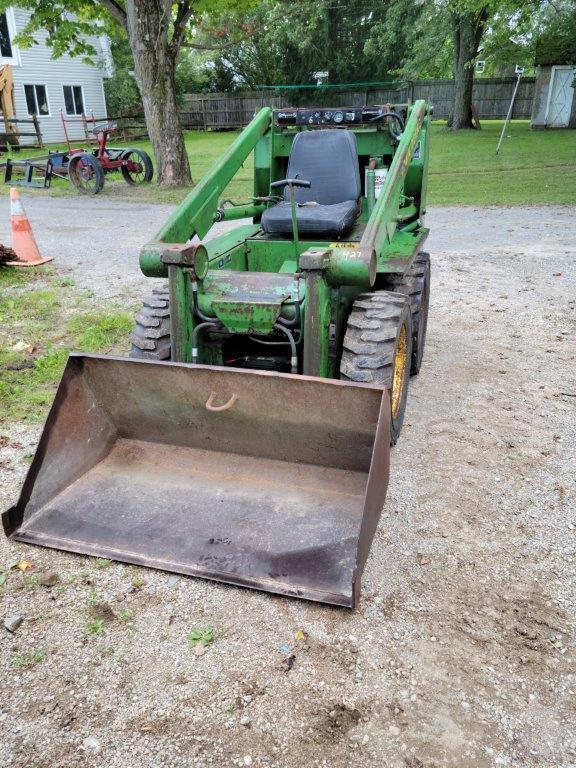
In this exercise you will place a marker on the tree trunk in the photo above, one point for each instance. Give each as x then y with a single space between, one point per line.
467 29
154 67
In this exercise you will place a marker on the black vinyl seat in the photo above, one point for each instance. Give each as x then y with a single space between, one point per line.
328 159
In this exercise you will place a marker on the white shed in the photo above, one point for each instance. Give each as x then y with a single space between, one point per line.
554 103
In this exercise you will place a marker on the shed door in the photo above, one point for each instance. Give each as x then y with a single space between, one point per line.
560 97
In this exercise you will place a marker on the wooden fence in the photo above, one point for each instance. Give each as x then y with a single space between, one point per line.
130 126
13 133
224 111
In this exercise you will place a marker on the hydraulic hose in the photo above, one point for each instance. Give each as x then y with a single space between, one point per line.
395 117
291 341
288 332
295 320
275 343
196 333
197 310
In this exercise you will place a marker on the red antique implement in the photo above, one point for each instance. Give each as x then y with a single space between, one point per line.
86 169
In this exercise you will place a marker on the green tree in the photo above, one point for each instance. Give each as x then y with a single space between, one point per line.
555 39
286 42
156 31
453 34
122 94
194 72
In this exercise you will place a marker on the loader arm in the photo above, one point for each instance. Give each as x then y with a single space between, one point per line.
195 215
384 218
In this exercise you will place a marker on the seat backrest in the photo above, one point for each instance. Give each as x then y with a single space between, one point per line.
328 159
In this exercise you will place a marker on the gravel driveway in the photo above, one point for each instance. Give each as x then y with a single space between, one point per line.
462 652
94 241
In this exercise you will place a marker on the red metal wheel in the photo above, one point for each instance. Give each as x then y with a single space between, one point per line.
86 174
136 167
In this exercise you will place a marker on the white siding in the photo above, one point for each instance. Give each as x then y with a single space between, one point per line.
37 67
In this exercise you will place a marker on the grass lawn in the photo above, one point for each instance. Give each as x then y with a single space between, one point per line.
43 318
532 167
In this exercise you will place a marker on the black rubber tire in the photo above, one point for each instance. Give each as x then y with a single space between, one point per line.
372 342
146 161
88 186
416 285
151 336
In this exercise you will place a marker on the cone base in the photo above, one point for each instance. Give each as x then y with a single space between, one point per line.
33 263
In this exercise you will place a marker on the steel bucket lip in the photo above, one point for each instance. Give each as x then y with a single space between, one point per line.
271 586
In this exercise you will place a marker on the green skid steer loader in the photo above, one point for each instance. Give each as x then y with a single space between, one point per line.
247 437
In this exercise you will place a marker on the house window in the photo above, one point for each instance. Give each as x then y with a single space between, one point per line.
5 44
36 99
74 99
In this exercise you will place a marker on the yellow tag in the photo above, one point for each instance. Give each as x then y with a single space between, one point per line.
343 245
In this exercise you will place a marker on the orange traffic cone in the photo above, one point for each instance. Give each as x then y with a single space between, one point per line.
23 240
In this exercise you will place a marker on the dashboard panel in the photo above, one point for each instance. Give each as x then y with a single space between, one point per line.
332 116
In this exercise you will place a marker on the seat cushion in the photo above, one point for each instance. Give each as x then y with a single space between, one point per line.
328 159
322 220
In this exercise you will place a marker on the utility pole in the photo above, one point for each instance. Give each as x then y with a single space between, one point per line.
519 72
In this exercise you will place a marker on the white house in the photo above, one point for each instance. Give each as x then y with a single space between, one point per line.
49 87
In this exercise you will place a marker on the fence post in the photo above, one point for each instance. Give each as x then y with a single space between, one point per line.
85 125
38 131
203 110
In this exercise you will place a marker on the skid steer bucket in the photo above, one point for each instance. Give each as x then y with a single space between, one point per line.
266 480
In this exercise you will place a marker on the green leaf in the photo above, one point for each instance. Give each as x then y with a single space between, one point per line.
203 635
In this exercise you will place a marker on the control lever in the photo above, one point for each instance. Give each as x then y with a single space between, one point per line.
291 183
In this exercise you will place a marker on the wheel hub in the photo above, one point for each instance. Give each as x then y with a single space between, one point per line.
400 358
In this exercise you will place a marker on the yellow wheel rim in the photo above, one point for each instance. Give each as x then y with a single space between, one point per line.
399 371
